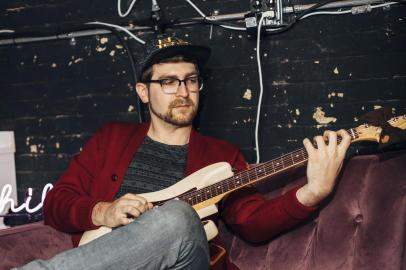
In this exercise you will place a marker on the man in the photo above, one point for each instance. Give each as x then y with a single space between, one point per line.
122 160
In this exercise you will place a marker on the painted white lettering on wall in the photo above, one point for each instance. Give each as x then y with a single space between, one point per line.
5 198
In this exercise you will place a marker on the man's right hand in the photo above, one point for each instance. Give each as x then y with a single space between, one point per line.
119 212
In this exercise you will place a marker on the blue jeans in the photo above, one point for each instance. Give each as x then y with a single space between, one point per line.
168 237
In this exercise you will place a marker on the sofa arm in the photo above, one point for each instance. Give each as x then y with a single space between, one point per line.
22 244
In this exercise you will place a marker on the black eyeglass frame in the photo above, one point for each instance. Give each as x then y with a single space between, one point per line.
160 81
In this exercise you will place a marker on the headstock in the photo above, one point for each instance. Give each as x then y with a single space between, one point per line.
398 121
367 132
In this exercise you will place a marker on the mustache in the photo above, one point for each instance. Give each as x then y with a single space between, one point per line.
181 102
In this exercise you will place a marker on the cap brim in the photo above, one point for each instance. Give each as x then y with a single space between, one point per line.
199 53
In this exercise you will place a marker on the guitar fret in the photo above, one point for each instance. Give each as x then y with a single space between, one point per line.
237 181
287 161
246 177
278 164
273 166
193 200
261 170
205 193
232 184
227 185
256 172
291 157
219 189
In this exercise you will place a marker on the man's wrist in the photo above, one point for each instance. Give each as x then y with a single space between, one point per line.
98 213
306 197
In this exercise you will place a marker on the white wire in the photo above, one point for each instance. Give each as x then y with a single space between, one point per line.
196 8
128 11
339 12
204 16
121 28
234 27
261 86
326 13
384 5
7 31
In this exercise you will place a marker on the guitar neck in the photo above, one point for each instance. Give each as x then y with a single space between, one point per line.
253 175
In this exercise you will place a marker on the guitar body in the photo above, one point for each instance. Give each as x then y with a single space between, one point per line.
202 178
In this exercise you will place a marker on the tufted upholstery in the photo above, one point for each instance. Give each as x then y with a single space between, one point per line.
361 226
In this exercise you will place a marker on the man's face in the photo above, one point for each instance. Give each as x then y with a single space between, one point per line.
178 109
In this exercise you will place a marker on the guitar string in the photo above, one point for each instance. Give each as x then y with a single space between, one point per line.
246 175
243 177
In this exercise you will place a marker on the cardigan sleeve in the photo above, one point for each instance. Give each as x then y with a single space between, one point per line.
257 219
68 206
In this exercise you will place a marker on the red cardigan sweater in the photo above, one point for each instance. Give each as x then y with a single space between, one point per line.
96 174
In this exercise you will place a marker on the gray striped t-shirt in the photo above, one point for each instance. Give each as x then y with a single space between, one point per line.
154 166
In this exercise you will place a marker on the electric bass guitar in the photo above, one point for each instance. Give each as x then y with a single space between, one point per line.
206 187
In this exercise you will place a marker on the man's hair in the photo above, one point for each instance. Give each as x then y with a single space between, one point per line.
147 73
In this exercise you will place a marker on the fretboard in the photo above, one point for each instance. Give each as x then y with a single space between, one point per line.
253 175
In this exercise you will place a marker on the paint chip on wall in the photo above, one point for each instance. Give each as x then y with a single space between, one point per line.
279 82
100 49
320 117
336 71
33 148
78 60
131 108
104 40
248 94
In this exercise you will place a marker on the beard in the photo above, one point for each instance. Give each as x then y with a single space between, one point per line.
177 115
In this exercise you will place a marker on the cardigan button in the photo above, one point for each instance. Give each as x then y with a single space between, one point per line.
114 177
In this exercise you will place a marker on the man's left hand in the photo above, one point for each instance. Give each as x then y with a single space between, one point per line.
323 167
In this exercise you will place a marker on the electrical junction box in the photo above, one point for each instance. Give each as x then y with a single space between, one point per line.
7 169
274 18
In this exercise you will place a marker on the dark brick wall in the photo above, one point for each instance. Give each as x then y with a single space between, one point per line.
54 94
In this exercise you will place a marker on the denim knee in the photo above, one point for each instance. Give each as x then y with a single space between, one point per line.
181 218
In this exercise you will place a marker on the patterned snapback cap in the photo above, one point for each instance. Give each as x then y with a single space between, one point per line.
163 47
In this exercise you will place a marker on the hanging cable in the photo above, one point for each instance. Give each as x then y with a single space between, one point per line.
120 13
120 28
261 86
353 10
6 31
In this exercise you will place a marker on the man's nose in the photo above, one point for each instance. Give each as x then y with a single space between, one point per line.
182 90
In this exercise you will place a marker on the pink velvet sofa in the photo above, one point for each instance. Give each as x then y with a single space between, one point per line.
361 226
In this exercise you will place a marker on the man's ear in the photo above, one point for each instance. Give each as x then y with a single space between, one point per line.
142 91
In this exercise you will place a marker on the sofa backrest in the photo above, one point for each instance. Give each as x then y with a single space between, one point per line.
361 226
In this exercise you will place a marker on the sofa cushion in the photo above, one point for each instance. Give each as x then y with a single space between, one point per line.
362 225
22 244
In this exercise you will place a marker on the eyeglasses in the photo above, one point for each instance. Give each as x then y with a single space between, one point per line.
171 85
